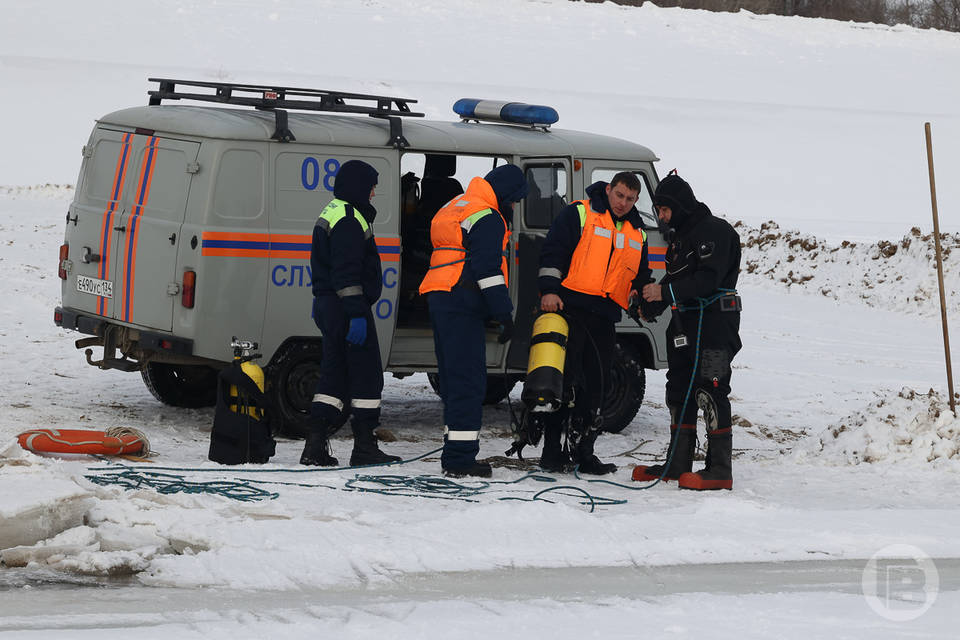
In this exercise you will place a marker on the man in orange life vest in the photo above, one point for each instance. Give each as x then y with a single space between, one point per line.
466 285
594 255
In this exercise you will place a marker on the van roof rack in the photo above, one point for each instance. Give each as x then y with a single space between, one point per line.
276 98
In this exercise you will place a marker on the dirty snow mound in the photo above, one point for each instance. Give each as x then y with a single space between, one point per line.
909 427
895 275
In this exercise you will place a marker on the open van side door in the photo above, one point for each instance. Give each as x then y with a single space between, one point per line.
550 188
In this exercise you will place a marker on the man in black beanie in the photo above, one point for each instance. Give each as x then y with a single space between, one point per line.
465 286
702 263
345 266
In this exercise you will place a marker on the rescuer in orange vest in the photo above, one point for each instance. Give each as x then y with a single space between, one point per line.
594 255
465 286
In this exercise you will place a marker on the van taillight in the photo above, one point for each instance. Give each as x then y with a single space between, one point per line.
189 288
62 267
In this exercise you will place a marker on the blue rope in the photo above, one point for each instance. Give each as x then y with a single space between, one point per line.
423 486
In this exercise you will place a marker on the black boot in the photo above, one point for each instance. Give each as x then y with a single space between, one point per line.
316 451
718 472
479 469
554 457
585 459
365 449
685 437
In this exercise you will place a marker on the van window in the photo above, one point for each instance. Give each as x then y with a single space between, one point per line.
547 194
101 171
239 187
644 203
167 190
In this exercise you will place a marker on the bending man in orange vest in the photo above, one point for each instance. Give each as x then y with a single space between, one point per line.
594 255
466 285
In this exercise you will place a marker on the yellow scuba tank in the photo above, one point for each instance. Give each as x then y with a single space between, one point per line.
543 388
243 351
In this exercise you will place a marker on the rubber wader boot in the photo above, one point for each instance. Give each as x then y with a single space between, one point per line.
554 458
316 451
683 441
365 449
479 469
717 474
587 461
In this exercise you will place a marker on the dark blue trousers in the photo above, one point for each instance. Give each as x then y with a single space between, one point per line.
351 376
459 338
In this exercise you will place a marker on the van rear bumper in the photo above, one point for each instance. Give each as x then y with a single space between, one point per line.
136 345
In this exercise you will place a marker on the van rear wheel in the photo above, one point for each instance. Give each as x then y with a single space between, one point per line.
291 382
189 386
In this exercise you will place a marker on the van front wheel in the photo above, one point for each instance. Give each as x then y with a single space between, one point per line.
624 386
188 386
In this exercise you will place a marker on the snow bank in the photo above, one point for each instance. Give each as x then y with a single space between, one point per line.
895 275
911 427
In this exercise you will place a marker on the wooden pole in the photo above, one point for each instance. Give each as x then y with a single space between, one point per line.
936 236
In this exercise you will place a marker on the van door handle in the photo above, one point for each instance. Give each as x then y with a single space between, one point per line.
89 256
121 229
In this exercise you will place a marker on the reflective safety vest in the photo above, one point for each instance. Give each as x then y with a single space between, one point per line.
332 214
450 226
607 256
337 211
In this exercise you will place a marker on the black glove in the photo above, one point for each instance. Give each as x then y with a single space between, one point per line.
506 328
633 309
650 311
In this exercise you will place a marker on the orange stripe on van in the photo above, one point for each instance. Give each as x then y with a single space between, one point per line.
232 244
106 227
143 195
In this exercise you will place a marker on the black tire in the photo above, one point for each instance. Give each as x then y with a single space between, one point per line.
291 381
624 387
498 386
189 386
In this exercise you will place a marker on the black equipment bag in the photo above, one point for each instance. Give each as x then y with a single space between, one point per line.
238 436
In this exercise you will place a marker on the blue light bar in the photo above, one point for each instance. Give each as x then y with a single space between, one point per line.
512 112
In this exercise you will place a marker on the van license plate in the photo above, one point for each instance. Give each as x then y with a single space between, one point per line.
95 287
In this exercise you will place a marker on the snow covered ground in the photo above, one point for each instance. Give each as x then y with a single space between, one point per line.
845 447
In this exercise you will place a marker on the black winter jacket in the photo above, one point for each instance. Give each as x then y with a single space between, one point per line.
345 259
703 257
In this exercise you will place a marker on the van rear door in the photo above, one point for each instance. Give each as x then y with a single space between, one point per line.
147 231
96 207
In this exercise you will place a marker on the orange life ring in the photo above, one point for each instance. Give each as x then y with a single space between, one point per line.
83 441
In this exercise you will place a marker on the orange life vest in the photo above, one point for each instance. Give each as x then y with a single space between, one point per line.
448 229
607 256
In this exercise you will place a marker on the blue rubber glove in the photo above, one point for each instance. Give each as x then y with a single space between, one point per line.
357 332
